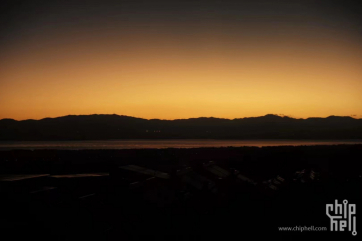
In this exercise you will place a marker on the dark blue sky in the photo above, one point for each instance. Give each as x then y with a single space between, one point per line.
20 18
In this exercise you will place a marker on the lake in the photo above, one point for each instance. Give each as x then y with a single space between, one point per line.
141 144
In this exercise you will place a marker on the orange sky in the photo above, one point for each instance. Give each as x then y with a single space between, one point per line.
157 74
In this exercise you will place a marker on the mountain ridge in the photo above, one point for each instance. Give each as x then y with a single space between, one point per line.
112 126
191 118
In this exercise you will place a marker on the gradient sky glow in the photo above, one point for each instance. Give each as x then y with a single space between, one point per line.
169 60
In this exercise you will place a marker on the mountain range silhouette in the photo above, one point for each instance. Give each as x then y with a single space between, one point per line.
101 127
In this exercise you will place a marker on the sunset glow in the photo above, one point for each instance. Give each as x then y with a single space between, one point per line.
171 70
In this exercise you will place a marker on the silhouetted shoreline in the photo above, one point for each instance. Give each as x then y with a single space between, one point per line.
46 160
163 144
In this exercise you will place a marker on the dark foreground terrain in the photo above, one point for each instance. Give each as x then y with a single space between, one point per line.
202 193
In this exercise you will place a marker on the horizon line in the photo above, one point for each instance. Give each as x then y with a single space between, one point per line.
279 115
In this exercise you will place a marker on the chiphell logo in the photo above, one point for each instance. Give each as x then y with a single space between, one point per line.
343 216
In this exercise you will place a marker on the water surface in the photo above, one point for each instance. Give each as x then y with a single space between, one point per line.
140 144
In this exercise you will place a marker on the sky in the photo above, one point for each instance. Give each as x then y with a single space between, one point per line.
180 59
